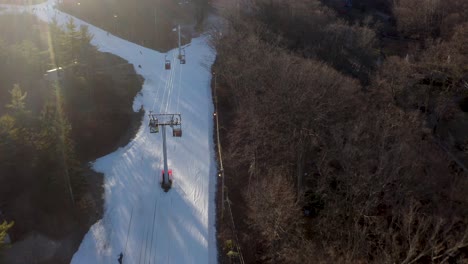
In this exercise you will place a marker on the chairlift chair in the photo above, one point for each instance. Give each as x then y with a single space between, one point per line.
182 57
177 131
167 64
153 124
176 127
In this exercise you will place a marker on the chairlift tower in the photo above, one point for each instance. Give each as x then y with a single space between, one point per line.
178 33
181 56
163 120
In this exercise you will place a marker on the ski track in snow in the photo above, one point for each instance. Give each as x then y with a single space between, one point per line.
174 227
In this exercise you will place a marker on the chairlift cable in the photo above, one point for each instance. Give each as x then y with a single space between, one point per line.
167 86
143 252
171 215
172 99
146 246
128 232
156 209
158 217
141 248
172 85
156 202
165 90
170 88
158 89
180 88
157 94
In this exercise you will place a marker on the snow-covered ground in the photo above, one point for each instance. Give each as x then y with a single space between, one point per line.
173 227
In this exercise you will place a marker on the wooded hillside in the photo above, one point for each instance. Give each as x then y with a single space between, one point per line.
50 128
340 146
146 22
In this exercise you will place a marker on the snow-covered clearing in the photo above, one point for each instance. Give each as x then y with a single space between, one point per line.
173 227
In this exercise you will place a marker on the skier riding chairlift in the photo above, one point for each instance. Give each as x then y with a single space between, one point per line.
153 122
176 128
167 64
177 132
182 57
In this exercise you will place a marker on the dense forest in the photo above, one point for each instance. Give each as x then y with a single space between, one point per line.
50 128
345 131
344 125
146 22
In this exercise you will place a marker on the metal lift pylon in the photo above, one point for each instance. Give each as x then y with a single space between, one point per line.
163 120
181 55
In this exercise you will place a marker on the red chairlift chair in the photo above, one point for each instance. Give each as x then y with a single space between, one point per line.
177 132
167 64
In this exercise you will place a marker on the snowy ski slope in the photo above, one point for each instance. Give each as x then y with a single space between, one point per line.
173 227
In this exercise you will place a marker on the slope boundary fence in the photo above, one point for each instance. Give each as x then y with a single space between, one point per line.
224 196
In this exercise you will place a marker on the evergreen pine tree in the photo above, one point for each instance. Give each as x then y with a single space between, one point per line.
56 142
17 104
4 227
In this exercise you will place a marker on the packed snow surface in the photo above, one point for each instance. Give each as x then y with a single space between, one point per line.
140 220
